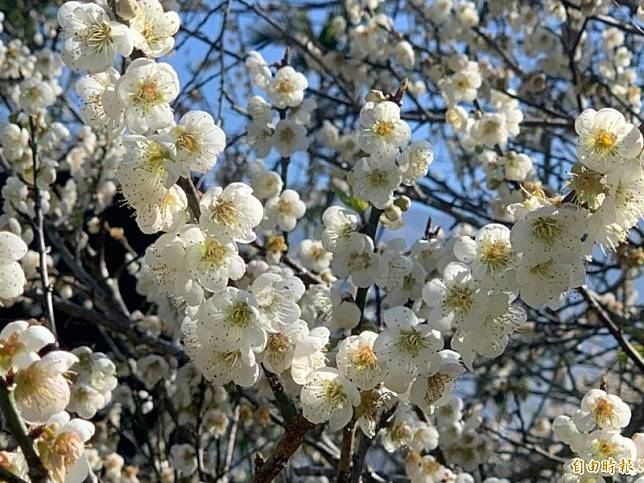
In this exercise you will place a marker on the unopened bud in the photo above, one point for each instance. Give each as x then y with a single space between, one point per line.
117 233
393 213
376 96
347 314
127 9
403 202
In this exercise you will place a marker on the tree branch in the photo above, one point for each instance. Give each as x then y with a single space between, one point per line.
294 434
39 235
613 328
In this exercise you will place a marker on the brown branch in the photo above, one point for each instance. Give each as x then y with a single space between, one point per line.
191 193
122 326
613 328
345 453
294 434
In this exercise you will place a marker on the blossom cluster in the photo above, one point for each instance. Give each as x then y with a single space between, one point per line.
42 396
594 435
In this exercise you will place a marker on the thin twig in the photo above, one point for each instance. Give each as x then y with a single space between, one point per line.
613 328
39 234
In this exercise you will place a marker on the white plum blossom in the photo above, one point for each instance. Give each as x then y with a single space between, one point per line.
436 390
608 444
165 215
543 283
286 88
606 140
198 142
211 261
101 105
277 298
260 137
328 396
375 179
314 256
152 369
517 166
238 365
231 213
358 260
487 335
42 389
154 28
93 382
259 110
36 95
146 90
62 444
283 211
339 223
490 255
250 277
309 354
607 411
490 130
346 314
621 208
20 343
12 276
455 298
280 346
15 141
426 469
258 69
357 361
415 160
231 320
91 40
143 172
463 85
265 184
395 265
407 347
382 130
289 137
550 233
593 433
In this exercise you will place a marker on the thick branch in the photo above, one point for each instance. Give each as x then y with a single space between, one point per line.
345 453
291 440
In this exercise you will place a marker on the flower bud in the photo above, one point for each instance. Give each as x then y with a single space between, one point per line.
403 202
127 9
376 96
393 213
347 314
